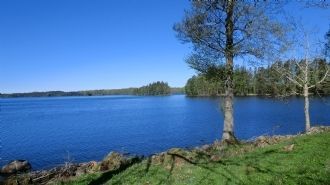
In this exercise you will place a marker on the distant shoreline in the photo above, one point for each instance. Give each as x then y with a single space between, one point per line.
101 92
79 94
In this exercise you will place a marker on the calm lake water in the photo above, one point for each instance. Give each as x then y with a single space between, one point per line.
50 131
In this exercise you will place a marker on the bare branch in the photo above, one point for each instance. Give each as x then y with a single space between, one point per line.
324 77
220 49
287 75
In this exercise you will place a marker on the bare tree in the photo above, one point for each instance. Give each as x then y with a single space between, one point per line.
327 44
302 77
316 4
223 30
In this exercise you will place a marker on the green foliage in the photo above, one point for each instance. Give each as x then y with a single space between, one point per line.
125 91
261 81
200 86
242 84
157 88
102 92
177 90
154 89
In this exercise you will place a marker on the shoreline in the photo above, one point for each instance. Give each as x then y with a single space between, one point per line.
98 92
119 162
182 94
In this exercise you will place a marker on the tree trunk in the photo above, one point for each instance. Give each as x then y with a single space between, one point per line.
306 108
228 126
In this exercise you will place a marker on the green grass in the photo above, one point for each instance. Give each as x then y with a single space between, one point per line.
307 163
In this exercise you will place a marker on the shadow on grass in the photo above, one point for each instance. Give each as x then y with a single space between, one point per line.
276 170
170 172
106 176
228 175
271 166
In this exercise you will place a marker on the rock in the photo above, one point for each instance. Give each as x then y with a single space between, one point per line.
94 166
319 129
174 157
206 147
116 161
59 172
84 168
261 138
215 158
261 141
288 148
42 177
16 166
112 161
181 153
68 170
81 171
158 158
18 180
176 151
11 181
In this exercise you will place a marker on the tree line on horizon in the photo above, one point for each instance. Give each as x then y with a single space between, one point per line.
263 81
152 89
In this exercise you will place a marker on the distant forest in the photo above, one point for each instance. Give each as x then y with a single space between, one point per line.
265 81
156 88
153 89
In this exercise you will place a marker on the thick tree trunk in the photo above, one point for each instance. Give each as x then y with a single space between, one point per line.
228 126
306 108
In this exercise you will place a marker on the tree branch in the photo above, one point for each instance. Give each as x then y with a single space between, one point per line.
288 77
324 77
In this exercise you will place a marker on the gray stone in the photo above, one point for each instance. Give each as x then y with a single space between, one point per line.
16 166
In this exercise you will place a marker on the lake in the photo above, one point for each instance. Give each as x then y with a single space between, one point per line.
51 131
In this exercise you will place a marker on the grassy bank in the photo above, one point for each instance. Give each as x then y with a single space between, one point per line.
299 160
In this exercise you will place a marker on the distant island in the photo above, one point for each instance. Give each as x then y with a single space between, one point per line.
158 88
153 89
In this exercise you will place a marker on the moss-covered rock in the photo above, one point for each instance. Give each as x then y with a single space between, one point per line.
116 161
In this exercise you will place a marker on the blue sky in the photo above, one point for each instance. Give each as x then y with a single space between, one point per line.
103 44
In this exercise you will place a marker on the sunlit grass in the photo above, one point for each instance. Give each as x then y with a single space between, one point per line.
307 163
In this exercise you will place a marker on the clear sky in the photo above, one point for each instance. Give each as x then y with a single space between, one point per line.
101 44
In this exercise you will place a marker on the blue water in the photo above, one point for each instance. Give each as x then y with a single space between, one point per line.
51 131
